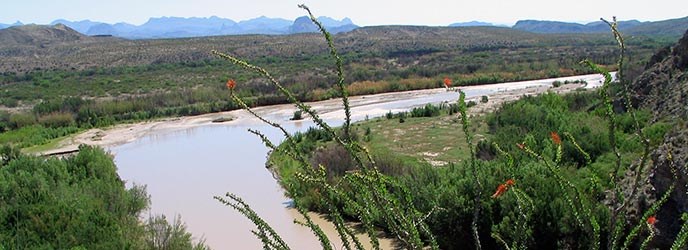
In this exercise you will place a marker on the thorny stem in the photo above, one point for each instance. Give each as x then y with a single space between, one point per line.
270 238
578 195
404 220
290 96
322 237
340 72
474 169
629 108
290 140
617 192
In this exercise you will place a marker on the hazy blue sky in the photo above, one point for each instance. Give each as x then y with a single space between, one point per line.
362 12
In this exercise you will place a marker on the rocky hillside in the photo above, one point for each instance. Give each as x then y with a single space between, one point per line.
537 26
670 28
663 88
387 41
39 35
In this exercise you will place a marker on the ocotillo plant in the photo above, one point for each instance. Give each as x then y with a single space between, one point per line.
374 198
371 196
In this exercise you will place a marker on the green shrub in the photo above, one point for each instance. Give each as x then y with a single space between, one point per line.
297 115
56 120
20 120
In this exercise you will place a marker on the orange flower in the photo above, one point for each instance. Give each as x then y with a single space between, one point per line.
555 138
501 189
651 220
447 82
231 84
521 145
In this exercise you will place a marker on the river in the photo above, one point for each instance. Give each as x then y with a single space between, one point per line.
184 168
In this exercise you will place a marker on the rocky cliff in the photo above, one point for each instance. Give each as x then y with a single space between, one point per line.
663 88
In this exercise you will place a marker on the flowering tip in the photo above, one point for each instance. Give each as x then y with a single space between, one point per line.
501 189
555 138
447 82
510 182
521 145
231 84
651 220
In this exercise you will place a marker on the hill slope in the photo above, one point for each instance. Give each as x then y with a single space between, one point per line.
39 35
672 27
663 88
386 41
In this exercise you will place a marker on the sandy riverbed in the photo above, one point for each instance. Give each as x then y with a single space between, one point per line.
329 109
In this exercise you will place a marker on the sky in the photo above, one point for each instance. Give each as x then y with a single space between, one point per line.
362 12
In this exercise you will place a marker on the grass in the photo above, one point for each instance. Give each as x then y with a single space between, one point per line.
50 145
422 139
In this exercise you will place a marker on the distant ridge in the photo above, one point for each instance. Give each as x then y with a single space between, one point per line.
671 27
382 40
471 24
2 25
40 35
179 27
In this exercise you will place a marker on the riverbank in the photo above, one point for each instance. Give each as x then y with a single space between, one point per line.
183 162
329 110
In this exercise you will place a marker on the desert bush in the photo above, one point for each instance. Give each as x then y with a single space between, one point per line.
297 115
428 110
56 120
21 120
160 235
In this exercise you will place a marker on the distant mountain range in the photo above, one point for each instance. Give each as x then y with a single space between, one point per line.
671 27
471 24
2 25
177 27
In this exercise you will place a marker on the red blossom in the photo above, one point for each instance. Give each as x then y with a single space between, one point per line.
501 189
510 182
651 220
447 82
555 138
231 84
521 145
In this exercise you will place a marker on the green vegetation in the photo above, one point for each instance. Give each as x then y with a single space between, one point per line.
408 151
566 173
78 202
557 165
298 115
135 85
